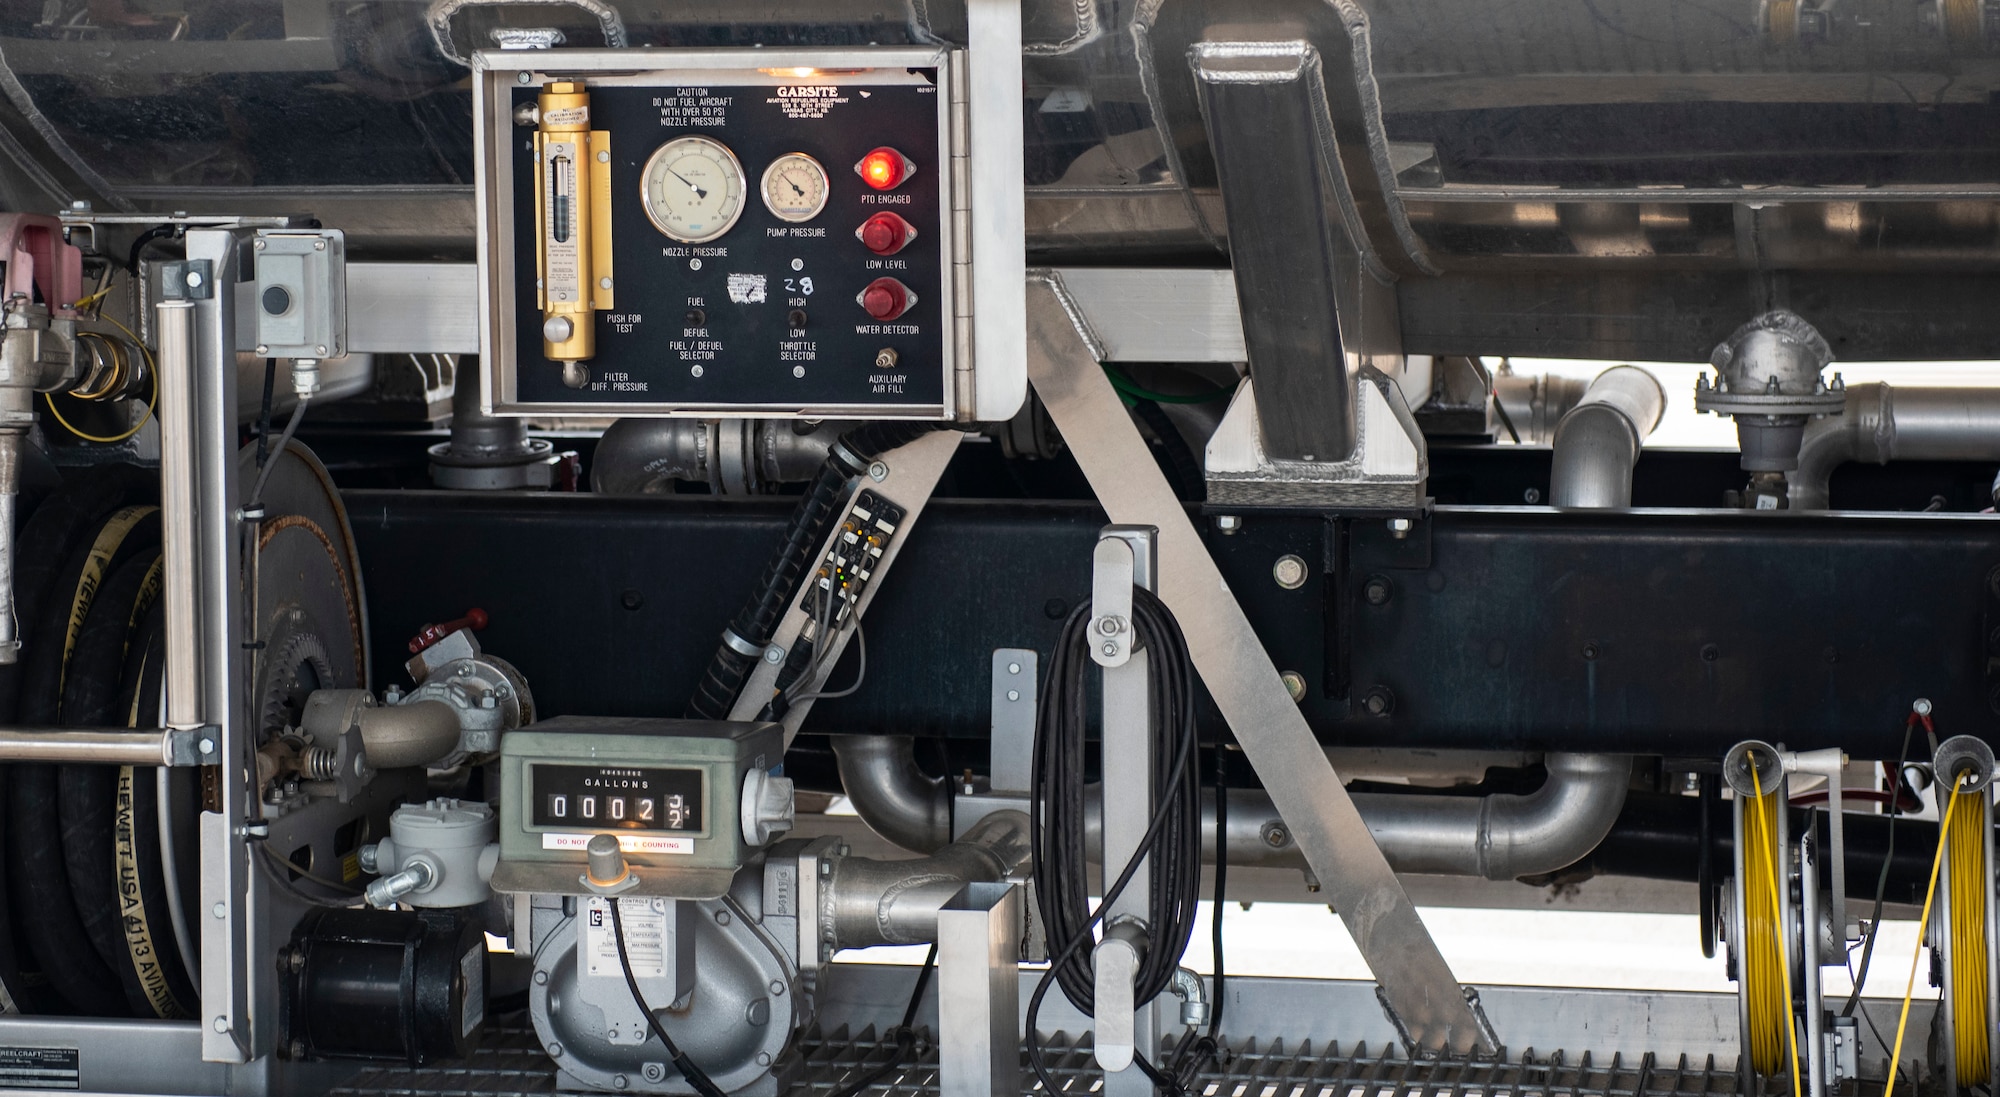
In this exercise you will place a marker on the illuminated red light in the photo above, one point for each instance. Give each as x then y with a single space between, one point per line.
884 168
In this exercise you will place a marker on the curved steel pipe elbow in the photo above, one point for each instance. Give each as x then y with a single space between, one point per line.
1598 441
897 800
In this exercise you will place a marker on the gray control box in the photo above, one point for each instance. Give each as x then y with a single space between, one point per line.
301 301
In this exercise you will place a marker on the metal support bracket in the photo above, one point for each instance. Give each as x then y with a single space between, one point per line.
1246 687
909 474
979 992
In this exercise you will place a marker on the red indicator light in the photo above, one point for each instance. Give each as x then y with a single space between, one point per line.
886 298
884 168
885 233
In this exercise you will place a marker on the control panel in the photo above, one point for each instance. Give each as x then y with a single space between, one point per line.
724 232
680 797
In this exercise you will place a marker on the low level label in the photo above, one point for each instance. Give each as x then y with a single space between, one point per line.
38 1068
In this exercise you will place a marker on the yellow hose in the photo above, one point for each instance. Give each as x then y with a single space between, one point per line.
1767 971
1965 920
1963 22
1930 892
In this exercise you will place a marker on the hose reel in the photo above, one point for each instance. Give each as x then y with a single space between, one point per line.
1961 930
1761 925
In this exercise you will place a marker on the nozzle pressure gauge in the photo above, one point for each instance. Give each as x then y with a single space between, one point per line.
693 189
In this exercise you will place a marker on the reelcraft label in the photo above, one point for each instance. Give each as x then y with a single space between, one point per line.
39 1068
645 936
630 843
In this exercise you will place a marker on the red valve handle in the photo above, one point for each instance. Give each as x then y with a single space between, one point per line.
474 619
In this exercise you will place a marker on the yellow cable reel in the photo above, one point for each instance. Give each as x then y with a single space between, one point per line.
1960 929
1764 958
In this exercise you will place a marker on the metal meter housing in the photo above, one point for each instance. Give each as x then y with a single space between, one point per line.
670 791
728 300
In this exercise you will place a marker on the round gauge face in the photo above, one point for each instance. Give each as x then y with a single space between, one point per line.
795 187
693 189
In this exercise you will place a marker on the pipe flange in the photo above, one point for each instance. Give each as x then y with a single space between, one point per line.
1736 767
1964 755
533 467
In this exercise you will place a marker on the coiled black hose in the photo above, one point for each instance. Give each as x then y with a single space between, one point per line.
753 625
1171 846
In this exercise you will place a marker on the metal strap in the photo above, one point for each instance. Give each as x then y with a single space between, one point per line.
1417 981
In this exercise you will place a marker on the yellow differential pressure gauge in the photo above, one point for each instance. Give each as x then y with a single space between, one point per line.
693 189
573 209
795 187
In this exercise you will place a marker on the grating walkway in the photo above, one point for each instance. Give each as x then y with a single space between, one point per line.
510 1062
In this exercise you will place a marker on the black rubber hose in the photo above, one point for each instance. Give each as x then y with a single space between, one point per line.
43 906
149 923
849 457
89 801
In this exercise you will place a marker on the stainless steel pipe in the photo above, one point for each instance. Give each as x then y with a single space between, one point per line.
1884 423
101 746
871 902
1499 837
896 799
1598 441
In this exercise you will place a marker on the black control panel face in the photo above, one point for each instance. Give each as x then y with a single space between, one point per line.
617 798
780 244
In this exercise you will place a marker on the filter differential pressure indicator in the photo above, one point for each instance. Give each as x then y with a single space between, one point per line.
573 203
795 187
693 189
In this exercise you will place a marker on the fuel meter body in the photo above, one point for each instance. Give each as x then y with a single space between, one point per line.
670 791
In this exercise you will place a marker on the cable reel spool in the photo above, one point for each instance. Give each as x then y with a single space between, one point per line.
1764 945
1962 928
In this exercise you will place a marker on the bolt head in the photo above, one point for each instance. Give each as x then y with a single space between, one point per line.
1289 572
1013 695
1228 523
1276 836
1921 706
1377 591
523 77
878 471
774 655
1295 684
194 279
1110 649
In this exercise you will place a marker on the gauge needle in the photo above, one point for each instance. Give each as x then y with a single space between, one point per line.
698 192
796 187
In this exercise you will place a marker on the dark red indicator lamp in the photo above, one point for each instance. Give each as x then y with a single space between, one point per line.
884 168
886 299
885 233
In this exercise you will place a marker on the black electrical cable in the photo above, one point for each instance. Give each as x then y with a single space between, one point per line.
1882 879
692 1074
157 232
1171 845
1221 891
264 411
904 1034
753 625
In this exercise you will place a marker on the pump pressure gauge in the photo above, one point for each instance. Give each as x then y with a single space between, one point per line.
795 187
693 189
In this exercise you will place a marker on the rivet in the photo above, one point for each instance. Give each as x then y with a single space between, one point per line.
220 910
221 1024
1013 695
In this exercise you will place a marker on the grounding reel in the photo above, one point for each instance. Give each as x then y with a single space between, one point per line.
1962 928
1780 933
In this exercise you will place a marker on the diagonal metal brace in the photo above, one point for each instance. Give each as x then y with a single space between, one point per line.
1416 981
